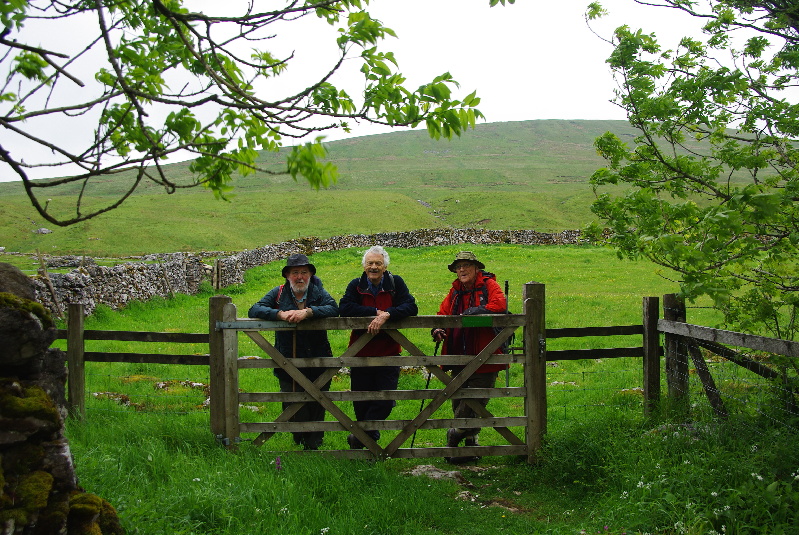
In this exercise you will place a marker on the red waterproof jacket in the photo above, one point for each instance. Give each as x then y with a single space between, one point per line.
393 297
471 340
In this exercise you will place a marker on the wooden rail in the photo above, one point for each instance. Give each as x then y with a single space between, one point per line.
224 365
682 341
226 398
76 337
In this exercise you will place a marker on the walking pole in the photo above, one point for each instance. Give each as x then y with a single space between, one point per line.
426 386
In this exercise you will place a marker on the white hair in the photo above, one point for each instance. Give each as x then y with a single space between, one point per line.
376 249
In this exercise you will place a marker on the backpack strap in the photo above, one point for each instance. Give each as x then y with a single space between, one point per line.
279 293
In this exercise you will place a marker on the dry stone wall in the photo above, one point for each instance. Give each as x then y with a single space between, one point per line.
92 285
39 491
230 270
166 274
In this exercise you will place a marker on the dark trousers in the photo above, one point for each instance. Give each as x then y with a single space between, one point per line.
371 379
461 409
310 412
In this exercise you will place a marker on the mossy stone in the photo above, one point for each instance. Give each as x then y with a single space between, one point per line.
84 507
53 519
18 515
33 490
109 520
9 300
34 402
84 513
22 458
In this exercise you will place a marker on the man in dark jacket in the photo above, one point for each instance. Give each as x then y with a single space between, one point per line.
302 297
379 293
474 291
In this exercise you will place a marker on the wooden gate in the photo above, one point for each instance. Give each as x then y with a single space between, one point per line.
225 396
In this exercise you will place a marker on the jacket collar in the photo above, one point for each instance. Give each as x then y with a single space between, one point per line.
388 285
479 281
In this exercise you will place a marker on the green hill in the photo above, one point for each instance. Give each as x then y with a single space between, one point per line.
527 174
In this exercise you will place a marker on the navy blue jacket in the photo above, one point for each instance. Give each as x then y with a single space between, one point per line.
310 344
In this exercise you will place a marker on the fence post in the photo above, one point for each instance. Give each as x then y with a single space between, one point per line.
651 313
76 372
216 352
535 367
215 275
231 381
676 359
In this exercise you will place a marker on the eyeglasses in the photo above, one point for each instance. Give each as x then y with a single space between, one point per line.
462 265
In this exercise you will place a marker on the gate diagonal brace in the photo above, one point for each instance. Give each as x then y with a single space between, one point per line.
452 386
481 411
314 391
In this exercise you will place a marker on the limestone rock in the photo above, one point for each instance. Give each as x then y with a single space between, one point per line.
14 281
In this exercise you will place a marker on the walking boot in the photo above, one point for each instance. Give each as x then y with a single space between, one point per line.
470 440
354 443
454 437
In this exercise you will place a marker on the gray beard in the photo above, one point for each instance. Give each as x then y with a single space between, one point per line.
297 290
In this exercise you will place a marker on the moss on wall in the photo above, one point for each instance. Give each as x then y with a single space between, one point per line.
9 300
33 402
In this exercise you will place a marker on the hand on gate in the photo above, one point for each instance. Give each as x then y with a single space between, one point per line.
294 316
377 323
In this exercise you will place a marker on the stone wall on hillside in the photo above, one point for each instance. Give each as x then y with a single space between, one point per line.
166 274
92 285
230 270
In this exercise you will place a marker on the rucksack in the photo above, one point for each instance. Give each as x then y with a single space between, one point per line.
483 298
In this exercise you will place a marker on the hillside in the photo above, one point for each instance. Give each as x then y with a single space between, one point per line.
527 174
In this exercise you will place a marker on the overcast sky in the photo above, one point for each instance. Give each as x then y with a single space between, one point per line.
535 59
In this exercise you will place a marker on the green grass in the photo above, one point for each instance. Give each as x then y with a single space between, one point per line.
604 467
516 175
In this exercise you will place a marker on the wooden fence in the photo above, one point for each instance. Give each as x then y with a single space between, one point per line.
225 364
684 340
226 398
76 337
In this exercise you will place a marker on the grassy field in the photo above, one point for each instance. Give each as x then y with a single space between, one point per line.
528 175
604 468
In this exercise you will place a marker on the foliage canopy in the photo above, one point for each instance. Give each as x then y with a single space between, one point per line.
714 169
155 79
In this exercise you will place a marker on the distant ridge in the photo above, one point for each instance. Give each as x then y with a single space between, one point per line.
502 176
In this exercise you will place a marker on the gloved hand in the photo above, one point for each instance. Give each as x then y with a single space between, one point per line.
471 311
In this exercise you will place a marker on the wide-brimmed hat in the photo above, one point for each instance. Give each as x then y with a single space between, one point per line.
297 260
467 256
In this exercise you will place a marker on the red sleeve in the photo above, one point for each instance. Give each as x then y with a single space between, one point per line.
446 305
496 297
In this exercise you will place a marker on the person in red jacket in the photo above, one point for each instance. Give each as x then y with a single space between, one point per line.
474 291
379 293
